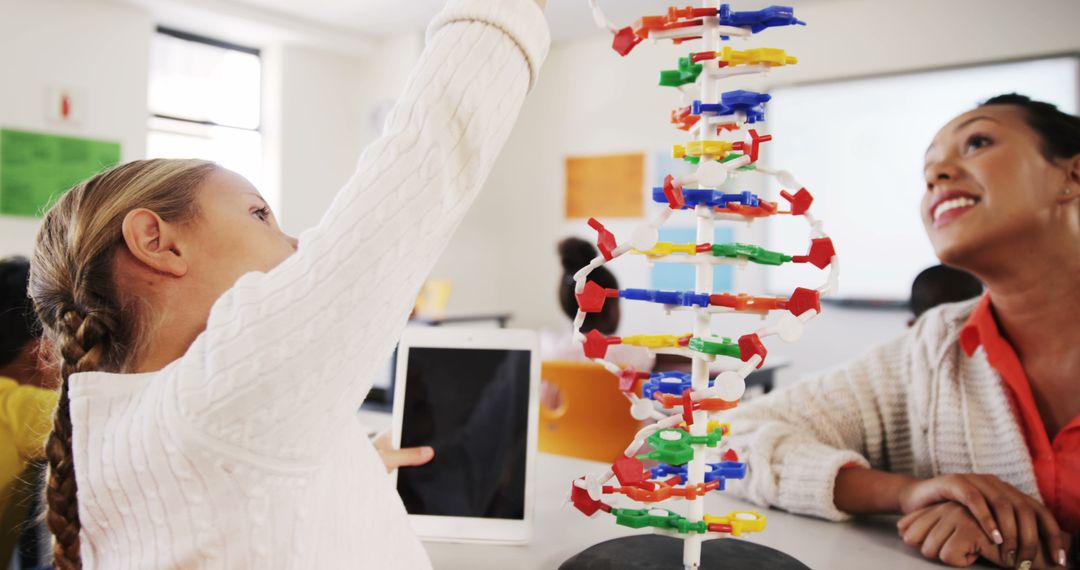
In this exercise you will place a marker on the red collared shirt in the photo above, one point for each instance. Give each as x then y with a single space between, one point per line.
1057 462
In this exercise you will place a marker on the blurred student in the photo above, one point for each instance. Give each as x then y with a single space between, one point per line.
941 284
559 344
27 402
969 424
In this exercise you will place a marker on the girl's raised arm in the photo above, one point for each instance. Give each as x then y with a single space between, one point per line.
287 356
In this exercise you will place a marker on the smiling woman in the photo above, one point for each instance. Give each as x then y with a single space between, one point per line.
988 386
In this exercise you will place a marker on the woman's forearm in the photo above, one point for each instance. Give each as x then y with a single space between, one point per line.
860 491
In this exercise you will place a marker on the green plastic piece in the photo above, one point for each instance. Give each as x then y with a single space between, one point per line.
692 159
729 157
711 439
747 167
723 348
670 451
678 451
641 518
688 72
754 253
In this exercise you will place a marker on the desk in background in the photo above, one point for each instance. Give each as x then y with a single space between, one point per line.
559 533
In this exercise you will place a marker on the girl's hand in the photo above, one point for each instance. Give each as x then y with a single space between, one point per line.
394 458
1010 519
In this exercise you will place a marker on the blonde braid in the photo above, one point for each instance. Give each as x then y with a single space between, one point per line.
78 301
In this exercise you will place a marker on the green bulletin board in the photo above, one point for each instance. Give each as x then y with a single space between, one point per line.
36 168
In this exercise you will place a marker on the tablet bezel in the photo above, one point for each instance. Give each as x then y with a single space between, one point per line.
473 529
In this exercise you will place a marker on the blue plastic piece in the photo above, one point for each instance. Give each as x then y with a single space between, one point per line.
750 102
708 197
661 382
683 298
757 20
716 472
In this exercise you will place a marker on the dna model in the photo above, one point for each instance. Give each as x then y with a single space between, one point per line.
687 439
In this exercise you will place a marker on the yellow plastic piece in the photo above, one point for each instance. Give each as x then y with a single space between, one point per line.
714 425
665 248
654 340
706 149
772 57
740 521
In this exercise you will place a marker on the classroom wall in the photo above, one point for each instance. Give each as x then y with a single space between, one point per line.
78 45
589 101
328 107
322 101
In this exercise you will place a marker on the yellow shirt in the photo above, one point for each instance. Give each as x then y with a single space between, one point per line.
26 418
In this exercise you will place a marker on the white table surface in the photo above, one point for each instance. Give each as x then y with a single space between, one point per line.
559 533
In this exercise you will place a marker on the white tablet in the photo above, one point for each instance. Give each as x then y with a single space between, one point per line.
471 394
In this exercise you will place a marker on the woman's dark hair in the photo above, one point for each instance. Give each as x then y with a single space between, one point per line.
575 253
18 323
1059 131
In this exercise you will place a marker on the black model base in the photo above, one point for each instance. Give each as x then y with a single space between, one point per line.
657 552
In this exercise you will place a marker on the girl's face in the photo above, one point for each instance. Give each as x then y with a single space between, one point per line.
235 233
988 187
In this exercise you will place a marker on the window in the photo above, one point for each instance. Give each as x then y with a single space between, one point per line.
204 102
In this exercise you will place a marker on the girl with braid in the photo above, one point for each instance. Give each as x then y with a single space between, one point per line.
212 365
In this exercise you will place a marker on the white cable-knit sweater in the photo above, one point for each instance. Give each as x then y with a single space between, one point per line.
917 405
245 452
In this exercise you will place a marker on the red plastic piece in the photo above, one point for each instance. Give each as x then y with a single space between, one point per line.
629 377
582 501
754 146
591 298
749 345
625 41
629 470
702 56
685 341
730 455
703 248
674 194
720 527
820 254
605 240
803 300
687 408
800 202
596 343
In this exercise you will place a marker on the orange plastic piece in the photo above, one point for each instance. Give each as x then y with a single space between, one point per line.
746 303
669 401
649 24
764 210
690 492
682 119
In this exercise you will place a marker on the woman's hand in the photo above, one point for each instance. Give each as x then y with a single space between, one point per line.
1010 519
394 458
949 533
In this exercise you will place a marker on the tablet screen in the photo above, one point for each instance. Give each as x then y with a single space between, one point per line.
472 407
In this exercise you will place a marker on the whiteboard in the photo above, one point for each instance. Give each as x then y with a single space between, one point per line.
858 146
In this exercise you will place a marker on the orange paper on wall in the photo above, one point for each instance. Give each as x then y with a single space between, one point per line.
605 186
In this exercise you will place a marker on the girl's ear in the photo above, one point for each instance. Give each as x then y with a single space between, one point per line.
154 242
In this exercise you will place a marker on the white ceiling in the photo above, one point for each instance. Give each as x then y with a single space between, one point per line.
570 19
